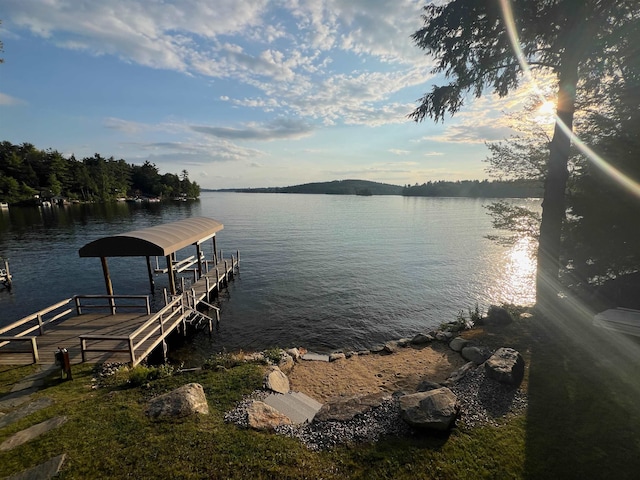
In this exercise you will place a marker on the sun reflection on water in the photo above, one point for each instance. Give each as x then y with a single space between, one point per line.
518 282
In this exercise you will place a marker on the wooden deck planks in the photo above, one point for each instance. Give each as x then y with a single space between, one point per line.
65 333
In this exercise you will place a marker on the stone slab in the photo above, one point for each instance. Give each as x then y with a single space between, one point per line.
317 357
28 409
15 399
35 380
300 408
44 471
30 433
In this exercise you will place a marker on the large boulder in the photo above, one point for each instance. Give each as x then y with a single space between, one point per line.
435 409
286 363
498 316
506 365
181 402
276 381
345 408
422 339
264 417
426 385
476 354
458 343
460 373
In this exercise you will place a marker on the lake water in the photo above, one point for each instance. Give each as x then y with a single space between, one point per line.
321 271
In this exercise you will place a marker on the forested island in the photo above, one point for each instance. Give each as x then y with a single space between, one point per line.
465 188
31 176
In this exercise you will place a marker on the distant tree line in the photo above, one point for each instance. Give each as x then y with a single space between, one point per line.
529 188
477 189
26 171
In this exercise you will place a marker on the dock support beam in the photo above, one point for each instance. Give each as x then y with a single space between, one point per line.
215 251
108 284
172 278
198 254
152 284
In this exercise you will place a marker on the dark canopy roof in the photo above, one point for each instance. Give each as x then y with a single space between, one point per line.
161 240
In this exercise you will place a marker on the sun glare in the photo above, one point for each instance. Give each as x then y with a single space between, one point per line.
545 113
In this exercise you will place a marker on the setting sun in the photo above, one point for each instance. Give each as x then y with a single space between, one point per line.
545 113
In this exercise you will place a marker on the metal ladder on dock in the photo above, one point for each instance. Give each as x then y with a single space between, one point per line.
198 320
195 317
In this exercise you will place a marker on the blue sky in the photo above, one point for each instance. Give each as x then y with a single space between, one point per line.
240 93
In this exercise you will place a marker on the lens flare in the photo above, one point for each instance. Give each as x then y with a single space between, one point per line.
626 182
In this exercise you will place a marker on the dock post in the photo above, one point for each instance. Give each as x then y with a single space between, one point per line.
199 259
152 285
238 260
8 281
215 251
226 274
108 284
166 296
40 326
34 350
172 278
207 285
132 353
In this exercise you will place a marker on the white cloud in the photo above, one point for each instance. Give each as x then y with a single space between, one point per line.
471 134
397 151
9 101
284 49
125 126
196 153
275 130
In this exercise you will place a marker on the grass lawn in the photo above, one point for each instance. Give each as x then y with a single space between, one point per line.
583 421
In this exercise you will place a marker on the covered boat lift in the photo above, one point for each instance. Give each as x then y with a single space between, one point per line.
161 240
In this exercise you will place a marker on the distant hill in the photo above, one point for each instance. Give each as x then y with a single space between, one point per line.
464 188
336 187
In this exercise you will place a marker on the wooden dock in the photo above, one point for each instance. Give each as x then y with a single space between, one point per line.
124 330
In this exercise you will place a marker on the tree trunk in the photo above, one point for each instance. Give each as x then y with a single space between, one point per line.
553 205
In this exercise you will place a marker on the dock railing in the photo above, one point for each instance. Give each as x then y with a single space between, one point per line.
28 328
158 326
130 302
31 326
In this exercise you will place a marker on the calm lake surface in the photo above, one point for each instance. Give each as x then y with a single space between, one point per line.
321 271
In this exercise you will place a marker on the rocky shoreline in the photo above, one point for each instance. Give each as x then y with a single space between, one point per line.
484 391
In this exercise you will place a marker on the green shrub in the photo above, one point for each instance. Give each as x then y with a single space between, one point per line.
273 355
149 373
222 359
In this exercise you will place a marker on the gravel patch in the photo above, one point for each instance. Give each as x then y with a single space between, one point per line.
483 401
368 427
239 415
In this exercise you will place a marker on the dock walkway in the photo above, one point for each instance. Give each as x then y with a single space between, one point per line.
123 330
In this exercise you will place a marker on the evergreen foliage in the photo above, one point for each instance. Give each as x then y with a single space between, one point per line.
487 44
26 171
477 189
